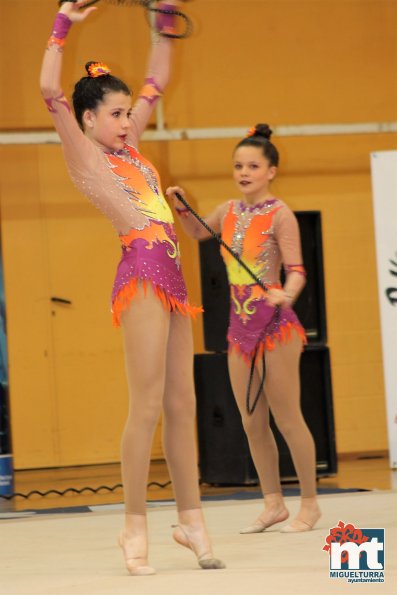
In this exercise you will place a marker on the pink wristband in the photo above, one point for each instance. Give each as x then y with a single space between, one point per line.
61 26
165 23
60 30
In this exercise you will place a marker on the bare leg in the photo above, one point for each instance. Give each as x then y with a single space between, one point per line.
180 442
145 330
262 445
179 415
282 387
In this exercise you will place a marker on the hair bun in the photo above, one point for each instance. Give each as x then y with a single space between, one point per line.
259 136
95 69
87 66
263 130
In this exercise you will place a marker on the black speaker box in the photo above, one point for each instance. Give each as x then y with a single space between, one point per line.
310 307
224 457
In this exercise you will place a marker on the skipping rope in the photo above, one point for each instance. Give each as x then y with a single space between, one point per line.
149 5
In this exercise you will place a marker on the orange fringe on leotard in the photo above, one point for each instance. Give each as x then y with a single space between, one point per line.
268 344
128 292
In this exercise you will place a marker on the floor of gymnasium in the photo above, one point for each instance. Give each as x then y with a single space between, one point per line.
45 550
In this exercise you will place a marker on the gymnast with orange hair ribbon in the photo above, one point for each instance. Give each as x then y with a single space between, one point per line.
259 234
149 300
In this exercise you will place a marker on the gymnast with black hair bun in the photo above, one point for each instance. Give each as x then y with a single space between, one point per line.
265 337
149 301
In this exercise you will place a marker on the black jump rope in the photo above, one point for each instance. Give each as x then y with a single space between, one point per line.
149 5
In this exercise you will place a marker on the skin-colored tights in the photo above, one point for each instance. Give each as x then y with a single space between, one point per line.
159 364
282 395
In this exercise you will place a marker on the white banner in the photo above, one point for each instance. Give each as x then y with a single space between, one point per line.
384 192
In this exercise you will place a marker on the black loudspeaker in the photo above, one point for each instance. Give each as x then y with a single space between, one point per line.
310 307
215 296
224 457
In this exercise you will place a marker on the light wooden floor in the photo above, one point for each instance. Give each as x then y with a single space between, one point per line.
76 554
362 473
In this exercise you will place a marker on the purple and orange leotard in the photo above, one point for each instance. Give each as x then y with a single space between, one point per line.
149 255
265 236
123 184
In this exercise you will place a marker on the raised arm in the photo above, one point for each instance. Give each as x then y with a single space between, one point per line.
77 148
87 166
157 74
190 224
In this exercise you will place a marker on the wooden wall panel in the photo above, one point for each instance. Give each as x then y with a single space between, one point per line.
26 277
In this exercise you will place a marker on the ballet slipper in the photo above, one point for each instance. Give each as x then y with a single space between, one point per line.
132 562
296 527
206 561
300 526
259 526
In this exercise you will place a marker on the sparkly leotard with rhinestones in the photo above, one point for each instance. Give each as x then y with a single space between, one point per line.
264 235
126 188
